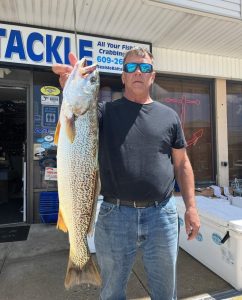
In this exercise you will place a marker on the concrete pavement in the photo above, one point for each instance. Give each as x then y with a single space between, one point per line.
35 269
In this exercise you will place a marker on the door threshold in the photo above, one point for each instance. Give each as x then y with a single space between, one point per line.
14 224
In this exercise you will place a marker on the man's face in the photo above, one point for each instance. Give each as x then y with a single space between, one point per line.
138 83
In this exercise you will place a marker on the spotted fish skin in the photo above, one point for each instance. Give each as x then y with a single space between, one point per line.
77 171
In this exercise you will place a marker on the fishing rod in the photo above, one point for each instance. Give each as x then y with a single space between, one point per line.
75 31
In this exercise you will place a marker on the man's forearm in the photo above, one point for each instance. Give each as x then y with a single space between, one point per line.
185 178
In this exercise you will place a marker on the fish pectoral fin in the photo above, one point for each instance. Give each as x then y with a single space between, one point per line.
57 132
71 129
89 274
61 223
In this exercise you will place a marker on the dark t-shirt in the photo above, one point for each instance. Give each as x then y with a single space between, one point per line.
135 149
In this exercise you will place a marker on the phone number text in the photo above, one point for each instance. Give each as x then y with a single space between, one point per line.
109 60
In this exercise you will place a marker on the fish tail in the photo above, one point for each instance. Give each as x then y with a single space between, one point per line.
60 222
89 274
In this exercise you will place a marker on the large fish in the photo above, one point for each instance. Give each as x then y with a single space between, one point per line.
77 171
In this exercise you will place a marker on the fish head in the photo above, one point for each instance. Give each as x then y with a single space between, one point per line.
81 90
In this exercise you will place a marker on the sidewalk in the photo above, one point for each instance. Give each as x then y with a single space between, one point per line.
35 269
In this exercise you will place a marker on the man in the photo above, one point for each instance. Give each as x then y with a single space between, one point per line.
142 151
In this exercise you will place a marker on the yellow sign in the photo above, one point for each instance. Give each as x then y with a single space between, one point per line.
50 90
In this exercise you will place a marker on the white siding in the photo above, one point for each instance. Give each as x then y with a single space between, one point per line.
164 25
229 8
197 64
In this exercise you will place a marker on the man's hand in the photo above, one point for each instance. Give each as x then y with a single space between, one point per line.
192 222
65 70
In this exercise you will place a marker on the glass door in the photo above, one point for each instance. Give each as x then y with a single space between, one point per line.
13 121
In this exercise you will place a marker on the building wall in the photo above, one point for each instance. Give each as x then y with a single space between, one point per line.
197 64
172 62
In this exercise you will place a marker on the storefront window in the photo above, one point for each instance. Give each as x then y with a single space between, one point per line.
47 101
111 88
191 99
234 117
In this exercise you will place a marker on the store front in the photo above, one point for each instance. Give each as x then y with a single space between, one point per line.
30 100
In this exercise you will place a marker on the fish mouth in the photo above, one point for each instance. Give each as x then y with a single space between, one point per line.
83 63
84 69
81 68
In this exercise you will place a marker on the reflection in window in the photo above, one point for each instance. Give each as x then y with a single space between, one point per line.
234 115
192 101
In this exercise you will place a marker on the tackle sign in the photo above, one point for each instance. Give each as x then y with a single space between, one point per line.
26 45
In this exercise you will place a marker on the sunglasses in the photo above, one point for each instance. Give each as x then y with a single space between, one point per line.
132 67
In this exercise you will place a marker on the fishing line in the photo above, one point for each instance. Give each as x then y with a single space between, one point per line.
74 15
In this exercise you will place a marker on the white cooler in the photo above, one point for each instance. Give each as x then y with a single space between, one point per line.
90 238
219 242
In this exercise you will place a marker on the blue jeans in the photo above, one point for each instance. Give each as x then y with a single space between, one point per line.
120 230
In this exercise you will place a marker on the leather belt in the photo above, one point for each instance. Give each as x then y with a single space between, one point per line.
134 204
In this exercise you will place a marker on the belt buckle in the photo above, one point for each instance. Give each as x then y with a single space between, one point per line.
138 206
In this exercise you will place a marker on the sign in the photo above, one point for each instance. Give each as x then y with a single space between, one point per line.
50 100
26 45
40 130
50 116
38 151
50 174
50 90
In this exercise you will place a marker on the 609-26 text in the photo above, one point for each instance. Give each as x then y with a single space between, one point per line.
109 60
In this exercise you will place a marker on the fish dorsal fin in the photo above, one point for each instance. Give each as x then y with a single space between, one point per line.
57 132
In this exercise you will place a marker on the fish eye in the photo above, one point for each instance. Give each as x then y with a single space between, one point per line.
93 79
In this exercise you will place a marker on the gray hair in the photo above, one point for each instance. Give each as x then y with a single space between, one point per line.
139 51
